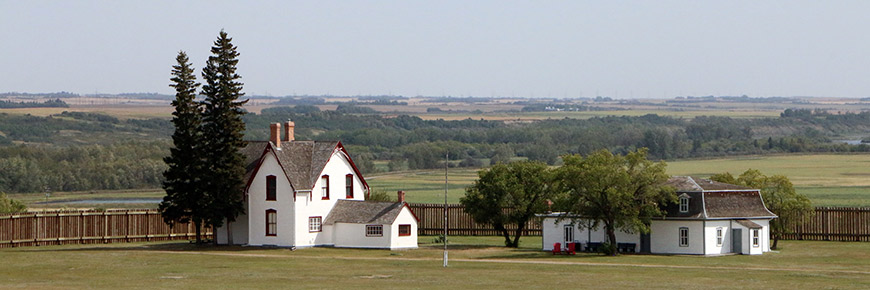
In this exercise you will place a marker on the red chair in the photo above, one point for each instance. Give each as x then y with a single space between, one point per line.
557 248
571 247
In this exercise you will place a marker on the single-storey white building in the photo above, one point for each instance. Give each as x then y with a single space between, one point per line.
310 193
711 218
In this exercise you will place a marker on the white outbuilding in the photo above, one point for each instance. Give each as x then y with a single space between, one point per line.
710 218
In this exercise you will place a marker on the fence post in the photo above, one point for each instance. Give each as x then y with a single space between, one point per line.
106 227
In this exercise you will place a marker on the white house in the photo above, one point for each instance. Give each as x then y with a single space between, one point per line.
711 218
310 193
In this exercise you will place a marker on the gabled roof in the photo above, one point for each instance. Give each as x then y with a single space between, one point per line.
716 200
364 212
301 161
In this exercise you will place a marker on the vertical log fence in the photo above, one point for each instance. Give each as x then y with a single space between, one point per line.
90 227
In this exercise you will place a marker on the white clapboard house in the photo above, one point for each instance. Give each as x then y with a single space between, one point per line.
310 193
711 218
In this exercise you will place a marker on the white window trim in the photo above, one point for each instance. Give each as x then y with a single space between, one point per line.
684 204
568 232
719 236
374 230
315 224
682 237
756 238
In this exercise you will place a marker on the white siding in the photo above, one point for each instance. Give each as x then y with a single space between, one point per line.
337 168
665 237
257 206
553 232
711 248
354 236
404 242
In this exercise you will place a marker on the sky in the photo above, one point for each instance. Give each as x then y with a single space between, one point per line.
620 49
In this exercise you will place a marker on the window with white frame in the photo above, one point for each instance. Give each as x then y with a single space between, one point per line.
684 204
719 236
374 230
755 238
684 237
569 234
314 224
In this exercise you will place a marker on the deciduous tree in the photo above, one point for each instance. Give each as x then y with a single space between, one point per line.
614 191
779 196
521 186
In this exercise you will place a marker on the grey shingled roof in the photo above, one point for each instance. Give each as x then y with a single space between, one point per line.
302 161
735 204
710 200
749 224
252 152
364 212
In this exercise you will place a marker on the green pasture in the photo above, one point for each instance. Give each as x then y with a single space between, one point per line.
475 262
827 179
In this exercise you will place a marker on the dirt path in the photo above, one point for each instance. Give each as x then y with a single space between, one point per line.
524 261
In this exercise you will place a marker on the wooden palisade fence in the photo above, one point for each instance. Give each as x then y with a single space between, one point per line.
89 227
459 222
112 226
833 224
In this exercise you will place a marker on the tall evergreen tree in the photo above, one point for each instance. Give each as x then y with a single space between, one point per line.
222 130
183 185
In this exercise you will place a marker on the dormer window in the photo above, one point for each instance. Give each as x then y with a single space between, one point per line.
684 203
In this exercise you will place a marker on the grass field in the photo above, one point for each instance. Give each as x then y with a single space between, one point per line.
475 262
827 179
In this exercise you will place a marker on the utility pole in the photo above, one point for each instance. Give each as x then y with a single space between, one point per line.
446 161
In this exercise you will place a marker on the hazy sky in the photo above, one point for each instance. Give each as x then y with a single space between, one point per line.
459 48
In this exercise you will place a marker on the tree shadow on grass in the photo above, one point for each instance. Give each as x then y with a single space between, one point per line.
179 246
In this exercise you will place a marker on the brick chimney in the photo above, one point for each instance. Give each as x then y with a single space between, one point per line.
289 127
401 196
275 129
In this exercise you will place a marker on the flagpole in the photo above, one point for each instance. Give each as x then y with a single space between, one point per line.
446 161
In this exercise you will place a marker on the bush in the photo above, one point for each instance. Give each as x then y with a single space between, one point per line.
10 206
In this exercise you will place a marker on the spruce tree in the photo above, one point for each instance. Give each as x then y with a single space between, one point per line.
183 186
222 130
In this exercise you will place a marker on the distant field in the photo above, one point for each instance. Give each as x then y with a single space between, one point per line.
591 114
827 179
474 263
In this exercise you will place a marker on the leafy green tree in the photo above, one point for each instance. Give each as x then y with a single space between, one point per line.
520 186
779 196
618 192
223 129
10 206
184 186
379 195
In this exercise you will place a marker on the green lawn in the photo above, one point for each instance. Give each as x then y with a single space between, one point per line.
476 262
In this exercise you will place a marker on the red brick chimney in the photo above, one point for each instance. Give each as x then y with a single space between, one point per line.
289 127
401 196
275 129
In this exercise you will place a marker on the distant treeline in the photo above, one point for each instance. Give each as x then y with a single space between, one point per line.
56 103
122 165
87 151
